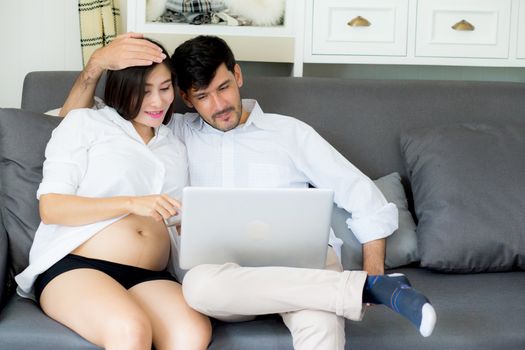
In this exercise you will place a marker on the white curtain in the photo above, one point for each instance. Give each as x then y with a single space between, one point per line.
100 22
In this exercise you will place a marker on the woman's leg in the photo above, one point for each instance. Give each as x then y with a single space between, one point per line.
98 308
175 325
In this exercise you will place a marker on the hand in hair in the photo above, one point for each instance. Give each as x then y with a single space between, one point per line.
126 50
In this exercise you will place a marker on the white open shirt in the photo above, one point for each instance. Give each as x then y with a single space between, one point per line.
96 153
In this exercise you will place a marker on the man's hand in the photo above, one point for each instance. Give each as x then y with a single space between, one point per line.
374 257
158 207
126 50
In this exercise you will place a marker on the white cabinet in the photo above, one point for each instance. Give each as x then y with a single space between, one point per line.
360 27
487 33
416 32
249 43
463 28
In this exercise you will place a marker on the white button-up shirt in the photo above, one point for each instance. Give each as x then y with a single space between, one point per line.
272 150
96 153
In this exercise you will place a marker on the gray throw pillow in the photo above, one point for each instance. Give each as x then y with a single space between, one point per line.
401 246
468 182
23 139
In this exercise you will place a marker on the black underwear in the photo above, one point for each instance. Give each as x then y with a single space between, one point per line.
128 276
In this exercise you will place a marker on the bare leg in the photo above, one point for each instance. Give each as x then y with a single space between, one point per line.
98 309
175 324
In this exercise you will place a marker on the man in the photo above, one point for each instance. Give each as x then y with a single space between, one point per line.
232 143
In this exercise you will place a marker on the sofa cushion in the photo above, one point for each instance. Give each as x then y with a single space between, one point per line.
23 138
401 246
23 326
469 195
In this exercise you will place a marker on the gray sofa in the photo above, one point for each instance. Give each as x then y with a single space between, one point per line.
478 291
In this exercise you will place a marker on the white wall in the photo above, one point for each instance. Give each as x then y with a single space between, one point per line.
36 35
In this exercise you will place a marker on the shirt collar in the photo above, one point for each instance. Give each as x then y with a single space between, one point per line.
255 119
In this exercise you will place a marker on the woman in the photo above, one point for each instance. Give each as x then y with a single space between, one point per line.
98 262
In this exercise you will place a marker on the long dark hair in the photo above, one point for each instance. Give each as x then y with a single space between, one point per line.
125 88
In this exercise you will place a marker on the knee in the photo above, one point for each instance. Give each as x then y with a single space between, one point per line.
194 336
200 286
194 285
314 329
131 332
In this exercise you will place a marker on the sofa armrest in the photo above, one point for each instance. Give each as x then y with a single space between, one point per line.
3 263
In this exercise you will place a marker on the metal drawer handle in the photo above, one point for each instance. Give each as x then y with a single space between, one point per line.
359 22
463 26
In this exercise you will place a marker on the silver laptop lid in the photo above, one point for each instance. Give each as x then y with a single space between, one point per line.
255 227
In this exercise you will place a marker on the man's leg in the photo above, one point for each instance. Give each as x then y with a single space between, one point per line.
223 291
314 329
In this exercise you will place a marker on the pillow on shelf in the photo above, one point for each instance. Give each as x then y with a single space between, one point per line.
401 246
468 182
23 139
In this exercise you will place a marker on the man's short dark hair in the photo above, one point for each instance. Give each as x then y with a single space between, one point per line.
196 61
125 88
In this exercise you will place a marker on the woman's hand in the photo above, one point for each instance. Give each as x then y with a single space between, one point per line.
158 207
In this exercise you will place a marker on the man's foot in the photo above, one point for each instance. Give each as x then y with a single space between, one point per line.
396 293
400 278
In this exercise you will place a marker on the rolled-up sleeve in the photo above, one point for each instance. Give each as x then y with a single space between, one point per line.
377 224
372 217
65 157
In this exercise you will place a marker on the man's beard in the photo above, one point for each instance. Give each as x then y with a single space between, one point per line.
237 116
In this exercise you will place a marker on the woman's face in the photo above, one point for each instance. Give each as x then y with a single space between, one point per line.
158 97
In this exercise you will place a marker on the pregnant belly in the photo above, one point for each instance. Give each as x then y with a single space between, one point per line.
133 240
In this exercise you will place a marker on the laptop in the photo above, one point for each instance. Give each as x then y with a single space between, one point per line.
255 227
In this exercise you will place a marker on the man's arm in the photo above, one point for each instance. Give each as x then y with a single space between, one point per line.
124 51
374 257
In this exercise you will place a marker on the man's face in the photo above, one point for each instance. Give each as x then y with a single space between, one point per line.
219 104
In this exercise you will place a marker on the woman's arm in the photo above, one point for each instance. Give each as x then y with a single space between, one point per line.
124 51
72 210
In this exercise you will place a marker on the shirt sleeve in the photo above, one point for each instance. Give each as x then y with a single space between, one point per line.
176 125
372 217
65 156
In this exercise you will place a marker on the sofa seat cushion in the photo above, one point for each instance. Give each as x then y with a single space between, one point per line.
264 332
475 311
24 326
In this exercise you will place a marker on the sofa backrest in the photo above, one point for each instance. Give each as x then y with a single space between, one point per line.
363 119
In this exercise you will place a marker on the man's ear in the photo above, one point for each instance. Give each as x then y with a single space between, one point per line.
185 99
237 72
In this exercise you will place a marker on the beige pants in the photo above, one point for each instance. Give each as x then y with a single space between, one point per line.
313 303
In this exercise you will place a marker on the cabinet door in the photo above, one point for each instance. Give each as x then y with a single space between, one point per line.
463 28
360 27
521 30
